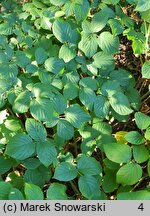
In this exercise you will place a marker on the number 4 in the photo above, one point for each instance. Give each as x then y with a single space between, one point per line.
141 207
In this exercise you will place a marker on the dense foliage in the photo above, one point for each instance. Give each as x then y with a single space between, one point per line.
73 117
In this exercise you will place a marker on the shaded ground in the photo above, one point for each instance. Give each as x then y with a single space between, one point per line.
127 60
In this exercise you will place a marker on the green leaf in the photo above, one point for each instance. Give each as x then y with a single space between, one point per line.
142 120
88 82
15 194
110 87
137 195
134 137
63 32
40 55
21 59
69 7
148 168
129 174
60 103
108 43
12 124
67 53
120 118
35 129
46 152
88 146
5 188
143 5
8 76
41 109
2 101
57 191
71 77
88 165
145 15
109 181
76 115
116 26
147 134
89 187
6 29
111 165
65 171
120 104
146 70
42 90
81 10
87 97
65 129
58 2
31 163
5 164
138 40
52 122
87 132
57 83
33 192
100 19
125 20
103 60
114 2
140 153
102 127
134 98
38 176
22 102
87 27
123 77
70 91
54 65
126 188
88 44
117 152
20 147
131 1
101 106
138 46
16 180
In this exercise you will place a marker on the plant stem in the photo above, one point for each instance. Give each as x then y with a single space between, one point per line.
145 95
139 182
75 147
75 189
141 60
11 112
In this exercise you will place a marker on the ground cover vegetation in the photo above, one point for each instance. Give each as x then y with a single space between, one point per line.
74 99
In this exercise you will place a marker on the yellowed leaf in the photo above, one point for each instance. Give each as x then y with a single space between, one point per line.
120 137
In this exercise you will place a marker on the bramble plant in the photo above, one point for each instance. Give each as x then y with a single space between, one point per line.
73 122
